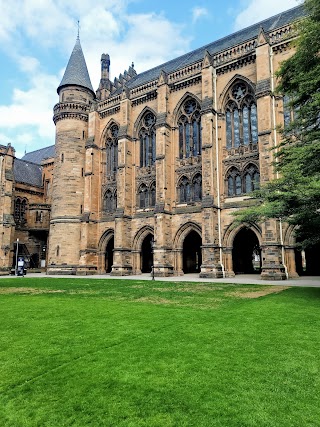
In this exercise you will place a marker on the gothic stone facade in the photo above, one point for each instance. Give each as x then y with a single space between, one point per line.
25 205
149 169
152 166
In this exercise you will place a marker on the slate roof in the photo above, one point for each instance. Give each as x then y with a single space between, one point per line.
234 39
27 172
76 72
38 155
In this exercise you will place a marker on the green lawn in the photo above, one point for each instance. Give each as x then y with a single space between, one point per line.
86 352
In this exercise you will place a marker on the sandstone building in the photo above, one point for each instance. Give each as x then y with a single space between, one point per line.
147 170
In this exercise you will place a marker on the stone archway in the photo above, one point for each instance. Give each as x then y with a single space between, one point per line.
105 252
147 254
308 261
142 250
191 253
187 249
246 252
109 255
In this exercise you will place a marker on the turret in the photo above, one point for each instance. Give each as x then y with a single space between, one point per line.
71 119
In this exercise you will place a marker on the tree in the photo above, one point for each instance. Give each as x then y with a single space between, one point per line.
295 195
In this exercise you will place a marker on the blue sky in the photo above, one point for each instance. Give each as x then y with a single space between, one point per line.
37 37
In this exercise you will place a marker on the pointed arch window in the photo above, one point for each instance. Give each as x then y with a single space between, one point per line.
242 183
189 125
251 179
147 138
241 116
147 195
184 189
110 200
152 194
197 188
112 150
190 191
20 210
234 182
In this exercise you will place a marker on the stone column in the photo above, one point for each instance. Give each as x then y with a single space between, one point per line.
122 256
211 266
162 250
272 266
7 224
92 199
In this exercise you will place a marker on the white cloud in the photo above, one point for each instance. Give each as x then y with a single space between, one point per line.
50 27
4 139
28 64
31 109
198 12
257 10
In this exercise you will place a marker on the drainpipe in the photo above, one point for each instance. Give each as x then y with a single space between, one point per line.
275 143
218 171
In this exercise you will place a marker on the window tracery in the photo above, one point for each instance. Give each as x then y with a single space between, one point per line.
244 182
20 211
110 201
112 150
189 125
147 195
190 191
241 116
147 137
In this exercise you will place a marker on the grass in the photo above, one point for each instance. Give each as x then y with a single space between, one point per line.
86 352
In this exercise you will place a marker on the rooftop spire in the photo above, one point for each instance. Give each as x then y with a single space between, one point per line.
76 72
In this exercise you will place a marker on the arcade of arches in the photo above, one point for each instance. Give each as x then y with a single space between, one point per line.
245 256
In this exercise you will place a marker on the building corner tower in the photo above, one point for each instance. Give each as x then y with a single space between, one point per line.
71 120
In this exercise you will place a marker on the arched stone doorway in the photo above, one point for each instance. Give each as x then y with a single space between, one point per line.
109 255
192 258
105 252
147 254
246 253
308 261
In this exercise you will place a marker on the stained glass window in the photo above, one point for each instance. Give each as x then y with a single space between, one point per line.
189 130
147 137
254 124
245 120
112 150
229 129
110 201
238 185
153 194
241 117
197 188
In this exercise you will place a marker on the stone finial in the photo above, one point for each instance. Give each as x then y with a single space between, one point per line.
207 60
125 93
262 37
163 78
131 71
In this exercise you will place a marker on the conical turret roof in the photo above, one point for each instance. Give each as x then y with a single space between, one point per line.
76 72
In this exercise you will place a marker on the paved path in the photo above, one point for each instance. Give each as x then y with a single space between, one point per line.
312 281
